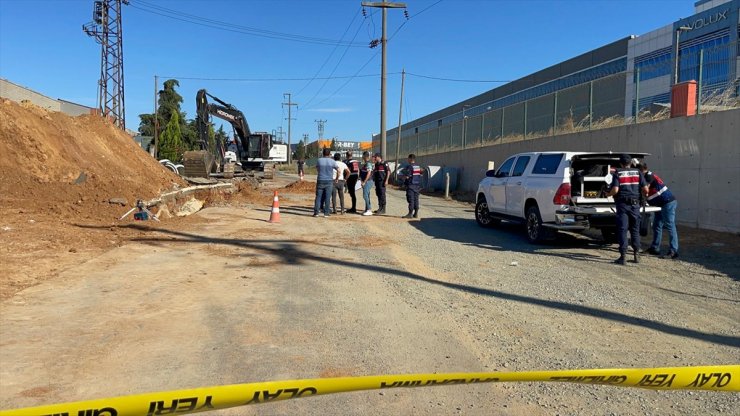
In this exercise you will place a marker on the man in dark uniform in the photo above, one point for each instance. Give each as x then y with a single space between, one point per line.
381 175
412 179
354 172
626 187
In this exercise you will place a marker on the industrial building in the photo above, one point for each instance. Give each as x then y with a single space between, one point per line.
601 88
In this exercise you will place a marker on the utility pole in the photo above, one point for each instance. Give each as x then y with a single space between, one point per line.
398 136
384 5
290 105
107 30
280 133
320 124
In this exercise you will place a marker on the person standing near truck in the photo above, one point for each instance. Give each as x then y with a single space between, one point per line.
381 175
366 180
354 173
660 196
626 187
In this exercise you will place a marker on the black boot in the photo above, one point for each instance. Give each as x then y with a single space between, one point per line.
416 214
407 216
620 260
637 256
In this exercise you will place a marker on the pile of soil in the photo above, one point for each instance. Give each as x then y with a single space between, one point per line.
304 187
58 175
70 167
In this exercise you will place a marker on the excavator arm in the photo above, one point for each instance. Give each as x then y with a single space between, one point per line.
224 111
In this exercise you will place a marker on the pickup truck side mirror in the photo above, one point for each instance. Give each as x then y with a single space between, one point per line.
491 173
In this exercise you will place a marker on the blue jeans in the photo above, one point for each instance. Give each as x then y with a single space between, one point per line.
366 194
323 195
666 218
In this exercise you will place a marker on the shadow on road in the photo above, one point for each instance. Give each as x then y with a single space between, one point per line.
511 237
290 253
506 237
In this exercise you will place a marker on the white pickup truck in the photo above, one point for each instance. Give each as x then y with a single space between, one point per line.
551 191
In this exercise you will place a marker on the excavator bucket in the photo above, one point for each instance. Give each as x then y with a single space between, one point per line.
198 164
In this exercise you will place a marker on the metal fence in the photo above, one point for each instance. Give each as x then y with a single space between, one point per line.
714 68
598 103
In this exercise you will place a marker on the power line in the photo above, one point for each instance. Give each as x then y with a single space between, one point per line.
348 81
333 70
413 16
230 27
455 79
328 58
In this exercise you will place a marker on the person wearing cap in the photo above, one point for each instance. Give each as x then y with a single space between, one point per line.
381 175
366 181
626 187
660 196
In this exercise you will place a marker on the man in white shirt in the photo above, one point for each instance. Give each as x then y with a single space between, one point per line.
341 173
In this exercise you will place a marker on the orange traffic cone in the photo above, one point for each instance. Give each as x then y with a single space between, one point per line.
275 213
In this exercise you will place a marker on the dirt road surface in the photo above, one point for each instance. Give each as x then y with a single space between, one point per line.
234 299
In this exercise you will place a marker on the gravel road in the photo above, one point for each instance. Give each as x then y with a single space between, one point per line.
238 300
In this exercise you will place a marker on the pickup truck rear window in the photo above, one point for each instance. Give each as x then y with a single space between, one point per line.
547 164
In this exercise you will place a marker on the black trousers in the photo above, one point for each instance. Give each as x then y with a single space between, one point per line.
628 218
380 192
351 183
412 197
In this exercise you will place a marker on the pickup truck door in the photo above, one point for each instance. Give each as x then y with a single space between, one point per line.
498 187
515 187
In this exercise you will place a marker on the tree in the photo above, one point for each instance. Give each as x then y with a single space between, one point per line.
190 134
169 101
170 144
169 107
300 150
221 138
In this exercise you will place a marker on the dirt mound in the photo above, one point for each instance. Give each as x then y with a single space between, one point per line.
58 175
299 187
67 165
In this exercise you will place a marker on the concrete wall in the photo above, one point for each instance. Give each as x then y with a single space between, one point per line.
698 157
18 93
73 109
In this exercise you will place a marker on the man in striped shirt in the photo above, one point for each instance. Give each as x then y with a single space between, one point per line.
660 196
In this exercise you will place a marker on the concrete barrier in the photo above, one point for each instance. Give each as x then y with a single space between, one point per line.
698 157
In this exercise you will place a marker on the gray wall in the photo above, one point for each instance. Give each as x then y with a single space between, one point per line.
73 109
18 93
698 157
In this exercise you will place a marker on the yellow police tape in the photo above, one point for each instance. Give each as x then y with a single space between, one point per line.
716 378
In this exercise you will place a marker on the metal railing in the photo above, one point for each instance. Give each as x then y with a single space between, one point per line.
604 102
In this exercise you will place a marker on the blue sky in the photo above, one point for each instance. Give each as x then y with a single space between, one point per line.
42 46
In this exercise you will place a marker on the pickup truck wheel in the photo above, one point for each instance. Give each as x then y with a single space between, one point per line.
483 216
535 230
